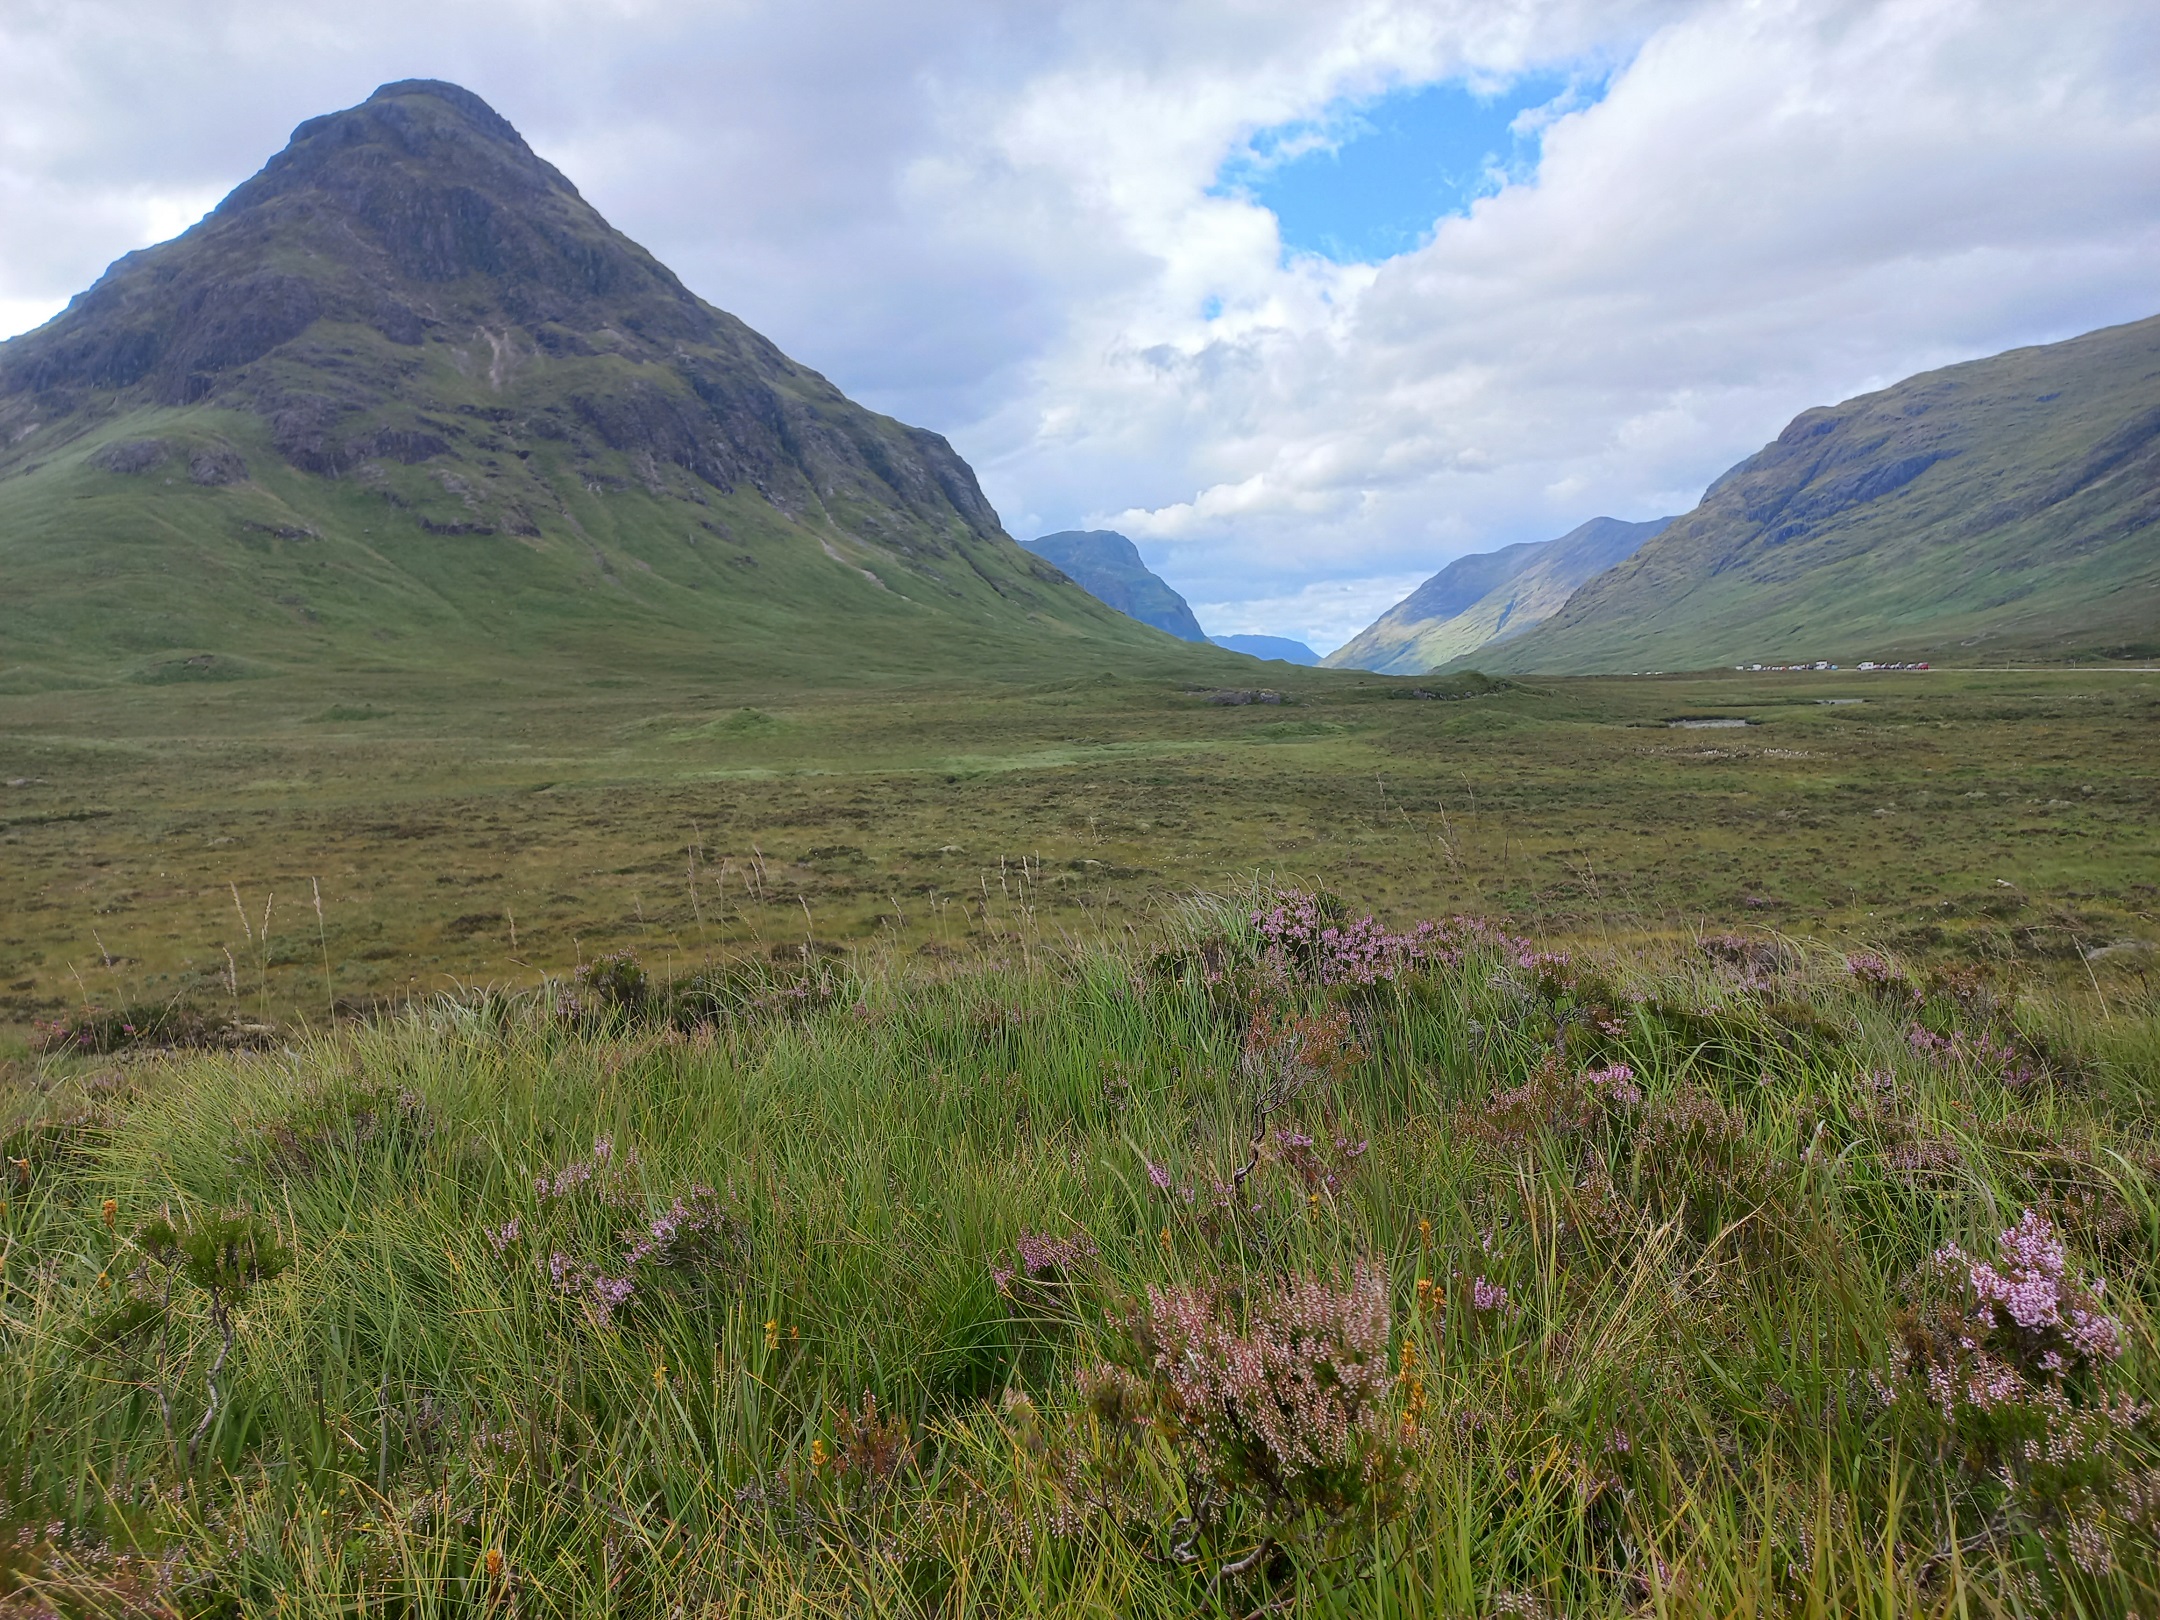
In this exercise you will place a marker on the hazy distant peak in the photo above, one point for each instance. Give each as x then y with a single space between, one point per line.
1489 596
1281 648
1108 566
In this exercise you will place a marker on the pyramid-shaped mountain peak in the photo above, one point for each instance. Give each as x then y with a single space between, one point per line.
408 304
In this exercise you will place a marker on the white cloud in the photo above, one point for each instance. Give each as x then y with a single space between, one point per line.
994 217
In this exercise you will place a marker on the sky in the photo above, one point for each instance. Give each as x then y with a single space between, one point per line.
1308 300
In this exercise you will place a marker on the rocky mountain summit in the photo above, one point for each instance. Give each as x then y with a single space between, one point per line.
407 304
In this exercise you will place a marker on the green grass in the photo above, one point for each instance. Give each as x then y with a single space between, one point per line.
2009 815
1675 1416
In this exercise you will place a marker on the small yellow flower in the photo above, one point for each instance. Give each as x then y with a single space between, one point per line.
112 1213
1312 1205
818 1454
1424 1231
104 1281
494 1563
772 1334
659 1376
1164 1239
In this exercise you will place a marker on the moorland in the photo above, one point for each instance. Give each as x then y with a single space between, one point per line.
171 842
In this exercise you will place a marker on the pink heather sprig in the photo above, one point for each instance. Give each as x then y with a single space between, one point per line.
1043 1257
2027 1325
1491 1299
665 1239
575 1280
682 1221
2029 1304
1616 1081
612 1179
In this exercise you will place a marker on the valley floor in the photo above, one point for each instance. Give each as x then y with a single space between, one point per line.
174 842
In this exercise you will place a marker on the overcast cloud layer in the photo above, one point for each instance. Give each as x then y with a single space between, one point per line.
1002 219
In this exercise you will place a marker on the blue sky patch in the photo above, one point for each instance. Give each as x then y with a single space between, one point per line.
1369 179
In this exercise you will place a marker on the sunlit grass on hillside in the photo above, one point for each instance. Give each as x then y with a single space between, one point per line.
1268 1271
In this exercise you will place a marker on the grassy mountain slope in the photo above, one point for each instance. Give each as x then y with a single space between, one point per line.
2005 507
1107 565
1491 596
404 398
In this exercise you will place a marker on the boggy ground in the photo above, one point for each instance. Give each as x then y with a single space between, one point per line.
171 841
1269 1272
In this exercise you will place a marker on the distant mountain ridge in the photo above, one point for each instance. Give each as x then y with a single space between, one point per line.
1108 566
1489 596
405 395
1275 647
2005 506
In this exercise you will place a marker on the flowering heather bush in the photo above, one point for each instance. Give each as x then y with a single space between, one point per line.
2013 1368
1980 1052
702 1228
345 1120
2027 1309
157 1024
1875 975
1306 933
616 991
697 1229
1577 1110
1489 1297
609 989
1757 960
1275 1397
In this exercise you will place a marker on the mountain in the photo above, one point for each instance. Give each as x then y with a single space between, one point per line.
1490 596
2004 507
1106 564
1277 647
404 397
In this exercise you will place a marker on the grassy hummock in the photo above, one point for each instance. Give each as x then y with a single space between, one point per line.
1296 1267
